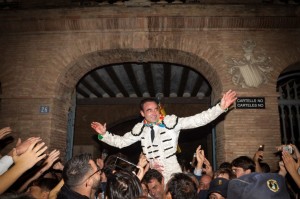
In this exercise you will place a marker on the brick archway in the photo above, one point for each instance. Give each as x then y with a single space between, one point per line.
77 69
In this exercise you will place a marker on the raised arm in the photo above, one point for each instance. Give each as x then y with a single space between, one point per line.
52 157
99 128
7 160
200 161
291 166
112 139
256 158
228 99
23 162
209 115
53 193
143 166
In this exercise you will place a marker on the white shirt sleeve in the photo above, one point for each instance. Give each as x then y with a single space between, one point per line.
5 162
198 172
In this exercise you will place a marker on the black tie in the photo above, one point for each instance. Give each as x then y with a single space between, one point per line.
152 133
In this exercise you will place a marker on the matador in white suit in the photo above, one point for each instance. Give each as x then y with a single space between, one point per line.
159 135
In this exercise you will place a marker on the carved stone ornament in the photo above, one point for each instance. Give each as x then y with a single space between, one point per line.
250 71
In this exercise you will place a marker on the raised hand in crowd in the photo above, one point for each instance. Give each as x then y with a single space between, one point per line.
4 132
21 147
142 160
208 168
292 166
291 148
7 160
258 156
296 151
282 170
99 128
100 163
33 154
143 166
53 193
52 157
58 166
23 162
50 160
200 157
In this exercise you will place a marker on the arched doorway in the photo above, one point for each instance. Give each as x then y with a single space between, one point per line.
89 62
288 86
119 87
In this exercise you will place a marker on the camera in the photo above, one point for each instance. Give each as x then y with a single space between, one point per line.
288 148
261 147
122 164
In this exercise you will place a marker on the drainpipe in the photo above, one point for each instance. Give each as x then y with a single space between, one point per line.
214 155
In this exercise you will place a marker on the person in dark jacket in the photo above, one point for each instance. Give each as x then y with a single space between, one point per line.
81 178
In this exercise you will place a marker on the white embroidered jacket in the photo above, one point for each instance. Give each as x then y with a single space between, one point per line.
165 142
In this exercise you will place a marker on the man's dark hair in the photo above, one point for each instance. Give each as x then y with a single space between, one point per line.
46 184
181 186
147 100
244 162
224 171
152 174
76 169
123 185
226 165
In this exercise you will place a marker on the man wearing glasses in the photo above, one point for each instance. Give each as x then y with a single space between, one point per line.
81 178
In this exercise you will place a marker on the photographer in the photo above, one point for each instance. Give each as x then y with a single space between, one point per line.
291 165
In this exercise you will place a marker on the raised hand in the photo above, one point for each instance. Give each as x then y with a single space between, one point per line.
52 157
296 151
142 160
140 173
5 131
23 162
200 157
290 164
22 147
34 153
208 168
58 166
228 98
99 128
100 163
282 170
258 156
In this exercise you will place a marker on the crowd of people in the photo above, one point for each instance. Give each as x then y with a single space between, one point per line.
30 170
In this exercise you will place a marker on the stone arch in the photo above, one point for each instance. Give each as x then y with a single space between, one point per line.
283 63
75 70
290 68
84 64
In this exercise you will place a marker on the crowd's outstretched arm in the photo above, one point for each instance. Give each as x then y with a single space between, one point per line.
52 157
34 153
21 147
291 166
